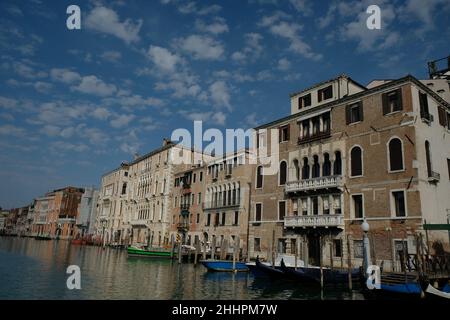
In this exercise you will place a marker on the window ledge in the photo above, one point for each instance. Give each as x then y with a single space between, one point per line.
393 112
353 177
354 123
396 171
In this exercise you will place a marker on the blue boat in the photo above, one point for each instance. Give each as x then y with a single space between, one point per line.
224 265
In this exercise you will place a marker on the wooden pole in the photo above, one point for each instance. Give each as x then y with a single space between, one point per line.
236 251
172 246
296 254
273 248
179 252
372 249
197 252
349 262
213 249
331 253
342 254
204 249
320 260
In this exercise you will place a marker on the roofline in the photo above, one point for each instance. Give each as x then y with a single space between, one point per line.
328 81
407 78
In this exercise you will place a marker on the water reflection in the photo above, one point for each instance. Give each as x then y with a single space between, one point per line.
31 269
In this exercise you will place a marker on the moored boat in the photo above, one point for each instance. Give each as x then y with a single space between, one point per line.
269 271
298 274
42 237
224 265
149 253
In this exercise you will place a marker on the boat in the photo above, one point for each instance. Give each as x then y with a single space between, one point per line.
149 253
77 241
269 271
42 237
298 274
224 265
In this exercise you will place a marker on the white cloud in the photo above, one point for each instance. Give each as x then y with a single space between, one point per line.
218 118
111 56
64 75
93 85
94 135
27 71
284 64
163 58
191 8
101 113
303 6
423 10
69 147
218 26
220 95
51 130
10 130
43 87
107 21
122 121
252 49
7 103
201 47
7 116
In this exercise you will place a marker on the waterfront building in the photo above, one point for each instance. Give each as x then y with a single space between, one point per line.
88 210
3 215
186 213
111 210
150 195
55 214
379 154
211 201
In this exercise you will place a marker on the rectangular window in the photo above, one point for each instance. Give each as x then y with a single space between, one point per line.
358 249
284 133
442 116
195 176
304 101
201 175
199 198
208 223
337 204
305 207
337 244
399 203
236 218
257 245
326 205
354 112
281 210
224 217
198 218
424 112
216 220
315 205
258 211
392 101
358 209
294 246
325 93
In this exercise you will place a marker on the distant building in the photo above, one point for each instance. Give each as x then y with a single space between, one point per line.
88 210
56 213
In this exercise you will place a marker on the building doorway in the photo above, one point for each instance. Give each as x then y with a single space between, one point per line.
314 249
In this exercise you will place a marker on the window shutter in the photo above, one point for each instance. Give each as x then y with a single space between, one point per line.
442 116
361 113
288 132
347 114
400 98
280 134
384 97
319 96
258 136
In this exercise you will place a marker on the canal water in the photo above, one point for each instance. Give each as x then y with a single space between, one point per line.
31 269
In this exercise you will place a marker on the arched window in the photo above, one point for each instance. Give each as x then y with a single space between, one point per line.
259 177
326 169
337 170
305 169
356 162
296 170
428 155
316 167
395 155
282 173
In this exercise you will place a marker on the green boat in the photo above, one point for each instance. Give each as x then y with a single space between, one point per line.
152 253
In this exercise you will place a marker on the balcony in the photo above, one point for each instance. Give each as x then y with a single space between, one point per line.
314 184
138 223
314 137
66 219
326 221
216 205
434 177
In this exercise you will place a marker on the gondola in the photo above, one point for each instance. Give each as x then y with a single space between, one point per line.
298 274
269 271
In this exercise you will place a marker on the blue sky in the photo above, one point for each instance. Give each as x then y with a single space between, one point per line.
74 104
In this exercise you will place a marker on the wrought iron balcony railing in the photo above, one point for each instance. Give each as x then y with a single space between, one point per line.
314 137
